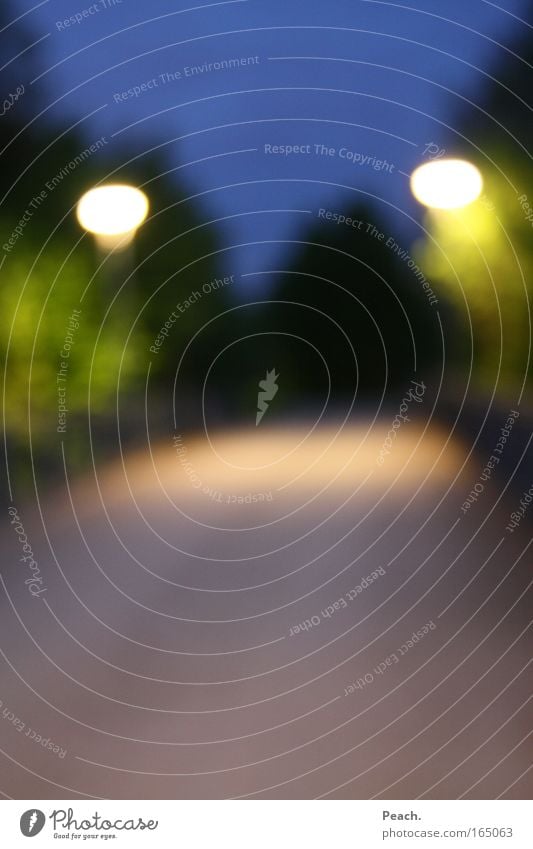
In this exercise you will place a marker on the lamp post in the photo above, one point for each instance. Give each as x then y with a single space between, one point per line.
449 188
446 183
113 213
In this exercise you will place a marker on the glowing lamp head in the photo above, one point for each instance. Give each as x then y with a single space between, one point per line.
112 213
446 183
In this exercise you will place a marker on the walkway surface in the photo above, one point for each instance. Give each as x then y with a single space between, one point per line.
274 613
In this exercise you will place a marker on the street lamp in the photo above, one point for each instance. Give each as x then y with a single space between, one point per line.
113 213
446 183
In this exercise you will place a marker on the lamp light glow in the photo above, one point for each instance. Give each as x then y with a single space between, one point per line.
446 183
112 212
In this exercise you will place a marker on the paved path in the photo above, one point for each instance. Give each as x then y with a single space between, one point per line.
211 628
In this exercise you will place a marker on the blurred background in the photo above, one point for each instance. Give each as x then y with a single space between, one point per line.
287 376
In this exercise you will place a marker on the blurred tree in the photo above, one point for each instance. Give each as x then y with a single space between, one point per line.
482 255
50 268
355 299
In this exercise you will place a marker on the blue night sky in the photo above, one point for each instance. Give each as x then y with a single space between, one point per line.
379 79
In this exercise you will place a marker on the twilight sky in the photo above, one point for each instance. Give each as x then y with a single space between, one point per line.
370 81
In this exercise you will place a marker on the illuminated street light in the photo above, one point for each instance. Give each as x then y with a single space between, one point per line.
446 183
113 214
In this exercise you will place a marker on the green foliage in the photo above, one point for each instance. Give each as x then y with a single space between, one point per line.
51 263
42 331
482 256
